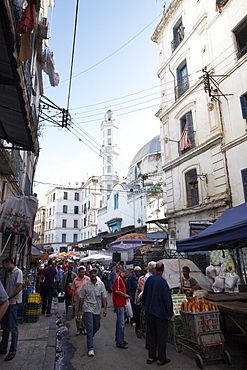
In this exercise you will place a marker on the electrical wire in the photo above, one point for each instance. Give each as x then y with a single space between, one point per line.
73 53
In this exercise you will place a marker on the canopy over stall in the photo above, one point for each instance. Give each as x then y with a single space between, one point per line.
228 232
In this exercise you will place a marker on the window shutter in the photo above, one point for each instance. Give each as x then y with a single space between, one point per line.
243 102
244 180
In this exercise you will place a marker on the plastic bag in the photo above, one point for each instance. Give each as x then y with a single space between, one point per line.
201 293
128 309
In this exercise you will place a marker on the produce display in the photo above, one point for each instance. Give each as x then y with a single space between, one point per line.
198 305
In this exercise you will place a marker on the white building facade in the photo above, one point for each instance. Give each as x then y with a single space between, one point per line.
202 58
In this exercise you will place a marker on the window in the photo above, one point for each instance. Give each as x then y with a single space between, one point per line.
65 195
244 180
109 131
75 238
108 169
89 204
85 221
76 210
63 238
116 201
108 187
187 138
65 209
49 211
108 141
54 195
192 188
109 159
64 223
241 38
76 196
243 102
178 34
182 79
76 224
49 224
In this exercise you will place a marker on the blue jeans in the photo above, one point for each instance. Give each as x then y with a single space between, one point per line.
119 334
92 323
10 325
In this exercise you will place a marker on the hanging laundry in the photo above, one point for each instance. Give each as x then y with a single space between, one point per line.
27 19
49 67
184 141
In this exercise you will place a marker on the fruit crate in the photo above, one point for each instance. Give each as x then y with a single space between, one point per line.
34 298
197 323
33 309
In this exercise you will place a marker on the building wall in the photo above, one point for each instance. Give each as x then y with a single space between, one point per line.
218 128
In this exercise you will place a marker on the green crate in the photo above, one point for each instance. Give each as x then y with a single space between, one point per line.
175 327
33 318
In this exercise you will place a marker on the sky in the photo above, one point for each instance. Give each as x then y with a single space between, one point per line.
115 67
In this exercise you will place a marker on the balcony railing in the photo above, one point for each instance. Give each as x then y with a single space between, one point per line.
181 88
177 39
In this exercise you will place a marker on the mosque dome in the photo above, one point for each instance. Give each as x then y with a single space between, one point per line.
153 146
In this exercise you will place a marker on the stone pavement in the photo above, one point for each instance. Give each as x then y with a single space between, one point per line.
36 345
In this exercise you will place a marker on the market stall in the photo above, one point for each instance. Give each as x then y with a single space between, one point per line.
228 232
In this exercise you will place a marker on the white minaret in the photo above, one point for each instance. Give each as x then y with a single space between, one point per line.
109 153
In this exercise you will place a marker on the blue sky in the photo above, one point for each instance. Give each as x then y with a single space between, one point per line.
126 81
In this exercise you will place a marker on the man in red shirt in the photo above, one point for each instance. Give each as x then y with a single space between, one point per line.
119 297
77 284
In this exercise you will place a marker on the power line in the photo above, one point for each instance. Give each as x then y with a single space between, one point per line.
73 53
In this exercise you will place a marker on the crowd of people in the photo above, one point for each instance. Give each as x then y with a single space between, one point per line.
145 292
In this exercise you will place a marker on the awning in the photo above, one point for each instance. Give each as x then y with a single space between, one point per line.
228 232
15 111
157 235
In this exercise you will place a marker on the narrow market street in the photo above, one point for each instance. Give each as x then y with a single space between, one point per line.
107 356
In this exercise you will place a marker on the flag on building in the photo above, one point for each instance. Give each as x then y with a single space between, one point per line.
184 141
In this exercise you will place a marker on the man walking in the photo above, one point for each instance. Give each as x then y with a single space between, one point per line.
159 310
49 276
13 287
119 297
92 297
76 287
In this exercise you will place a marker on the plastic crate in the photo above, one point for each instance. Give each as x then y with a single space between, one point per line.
175 327
33 306
25 296
196 323
34 298
33 318
32 312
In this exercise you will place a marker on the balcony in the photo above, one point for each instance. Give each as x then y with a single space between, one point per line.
177 39
182 87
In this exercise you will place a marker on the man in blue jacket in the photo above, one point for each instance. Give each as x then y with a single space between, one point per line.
159 310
